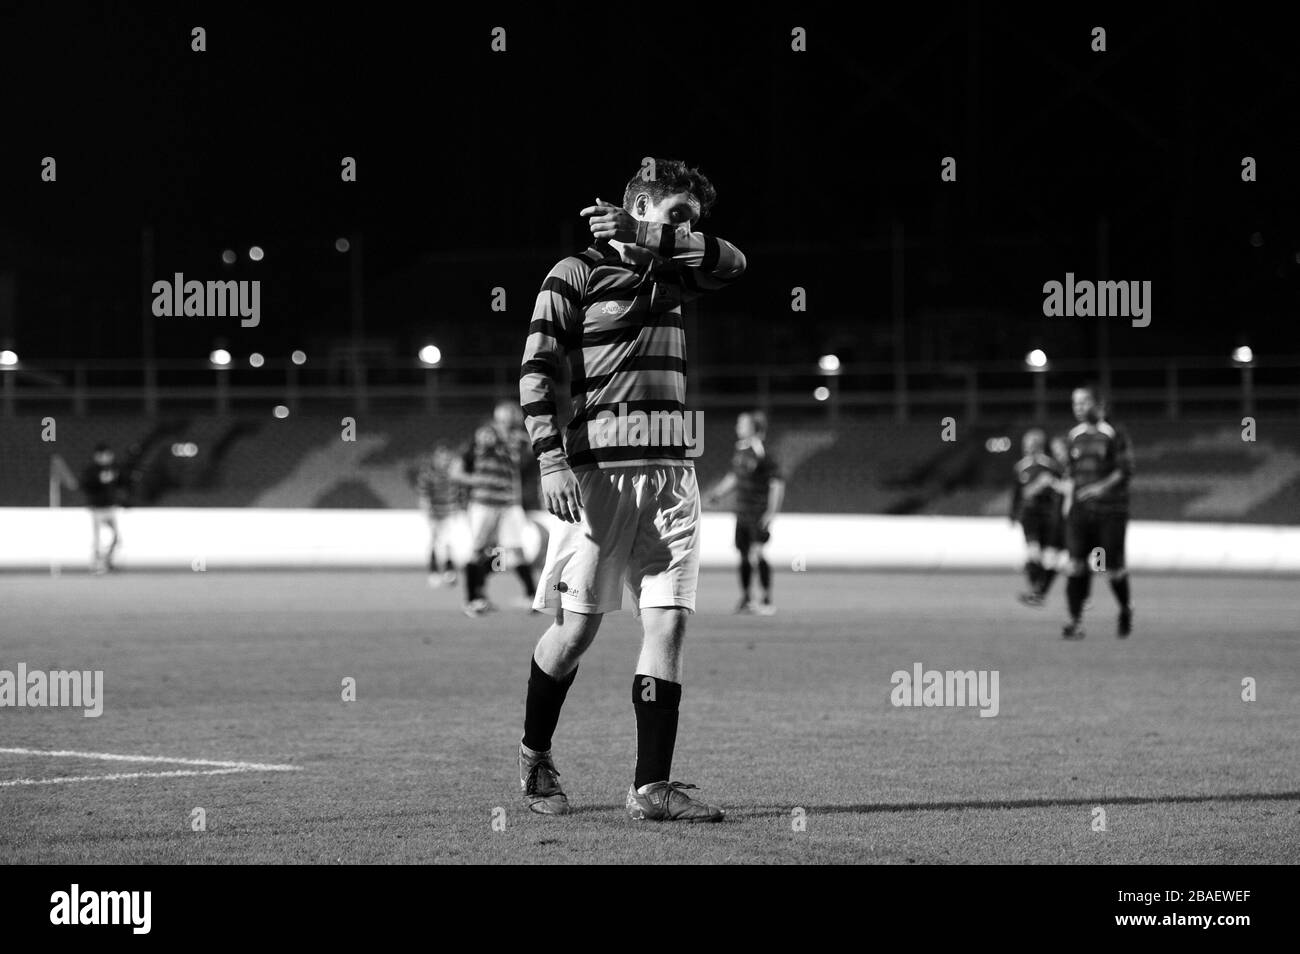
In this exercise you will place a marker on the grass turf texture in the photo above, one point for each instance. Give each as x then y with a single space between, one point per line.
778 713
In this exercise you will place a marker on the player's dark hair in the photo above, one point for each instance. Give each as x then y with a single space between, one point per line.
100 448
672 176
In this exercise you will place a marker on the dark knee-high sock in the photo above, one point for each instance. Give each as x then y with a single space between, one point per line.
656 702
746 576
1045 579
1076 591
475 575
542 706
1119 586
1033 573
765 576
433 561
525 574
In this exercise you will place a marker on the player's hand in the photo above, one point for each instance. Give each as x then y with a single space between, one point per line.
610 222
561 495
1087 493
765 522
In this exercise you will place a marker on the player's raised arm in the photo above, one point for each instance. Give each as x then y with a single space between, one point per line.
710 263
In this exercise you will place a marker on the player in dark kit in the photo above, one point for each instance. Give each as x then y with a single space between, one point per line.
756 479
609 319
1035 505
104 485
1101 464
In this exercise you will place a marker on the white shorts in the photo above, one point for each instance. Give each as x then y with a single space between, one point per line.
640 531
450 537
507 529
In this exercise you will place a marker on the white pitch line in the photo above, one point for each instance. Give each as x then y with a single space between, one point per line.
179 773
110 757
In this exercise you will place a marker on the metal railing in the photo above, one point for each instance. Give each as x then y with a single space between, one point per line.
1170 388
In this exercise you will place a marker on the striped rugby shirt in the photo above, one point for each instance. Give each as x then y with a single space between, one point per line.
440 495
611 318
498 465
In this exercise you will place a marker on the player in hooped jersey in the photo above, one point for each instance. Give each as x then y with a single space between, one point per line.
609 320
1035 506
442 501
1100 467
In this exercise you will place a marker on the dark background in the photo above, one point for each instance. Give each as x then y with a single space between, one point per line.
473 165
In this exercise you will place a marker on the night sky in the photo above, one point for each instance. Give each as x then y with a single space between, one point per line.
473 165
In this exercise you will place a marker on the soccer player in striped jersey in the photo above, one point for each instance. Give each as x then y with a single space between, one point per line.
1101 465
609 319
1034 507
491 469
441 499
759 488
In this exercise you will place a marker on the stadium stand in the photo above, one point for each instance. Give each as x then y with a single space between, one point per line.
1186 470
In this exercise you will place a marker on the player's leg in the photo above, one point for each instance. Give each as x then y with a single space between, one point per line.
1055 555
553 669
1052 560
513 528
435 569
1030 527
1114 529
657 692
110 521
663 572
581 580
96 528
441 559
756 553
1079 540
483 521
744 537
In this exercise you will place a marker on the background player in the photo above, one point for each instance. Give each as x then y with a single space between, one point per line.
491 468
104 485
442 500
1101 464
611 318
1035 506
756 479
1055 555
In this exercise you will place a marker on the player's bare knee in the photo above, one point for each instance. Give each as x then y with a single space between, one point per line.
666 626
570 636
